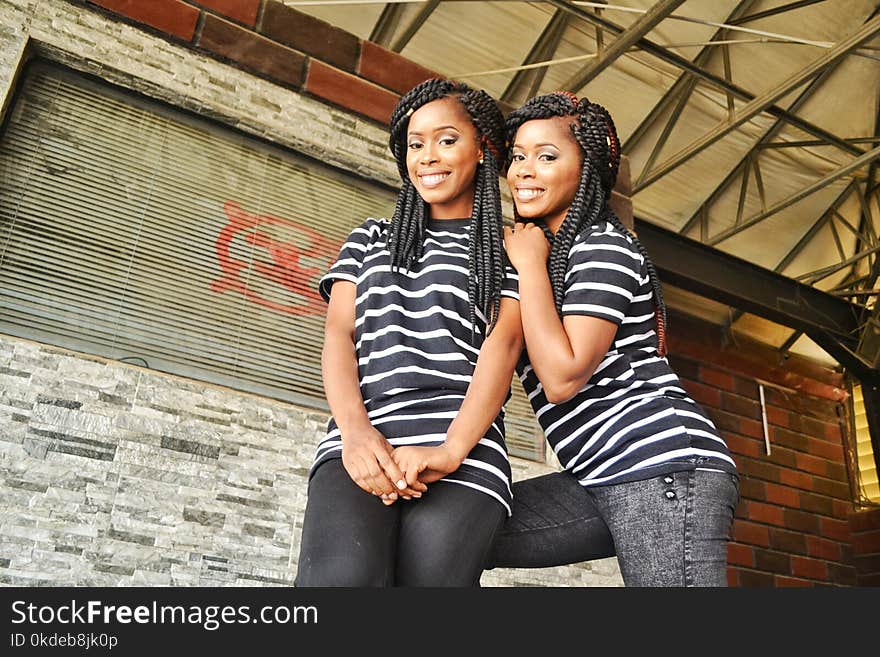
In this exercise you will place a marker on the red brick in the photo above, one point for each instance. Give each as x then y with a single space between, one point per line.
350 91
823 548
798 479
717 379
818 504
741 555
836 471
842 508
825 449
842 574
801 521
244 11
783 495
866 543
807 567
760 469
832 432
783 456
732 576
865 520
751 489
836 529
760 512
788 541
869 564
772 561
390 69
742 445
783 581
788 438
838 489
170 16
864 580
753 579
752 533
311 35
778 416
753 428
688 370
743 406
253 51
812 464
703 394
747 388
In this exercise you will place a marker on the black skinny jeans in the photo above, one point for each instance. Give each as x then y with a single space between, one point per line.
351 539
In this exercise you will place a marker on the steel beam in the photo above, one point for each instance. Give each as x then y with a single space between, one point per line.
625 40
767 136
388 21
701 269
831 322
686 79
761 103
719 82
840 172
775 11
542 50
414 25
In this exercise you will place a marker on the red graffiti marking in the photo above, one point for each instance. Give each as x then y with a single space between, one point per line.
293 267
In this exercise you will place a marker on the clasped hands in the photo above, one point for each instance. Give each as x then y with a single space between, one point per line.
391 473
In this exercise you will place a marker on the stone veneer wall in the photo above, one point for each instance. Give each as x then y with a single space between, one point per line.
114 475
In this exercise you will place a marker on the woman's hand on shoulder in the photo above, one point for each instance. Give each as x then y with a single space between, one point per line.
526 245
366 456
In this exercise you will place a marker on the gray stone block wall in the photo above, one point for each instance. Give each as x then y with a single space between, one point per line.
114 475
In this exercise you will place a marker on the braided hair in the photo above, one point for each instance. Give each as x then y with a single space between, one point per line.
405 241
596 135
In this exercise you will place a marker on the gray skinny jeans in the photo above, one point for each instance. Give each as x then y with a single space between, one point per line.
668 530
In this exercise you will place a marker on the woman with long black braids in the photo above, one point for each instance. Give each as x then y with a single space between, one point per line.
420 345
646 475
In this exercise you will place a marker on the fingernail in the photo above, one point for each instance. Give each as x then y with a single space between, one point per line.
401 484
407 497
417 495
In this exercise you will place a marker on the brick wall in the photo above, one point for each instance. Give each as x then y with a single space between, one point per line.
792 525
865 529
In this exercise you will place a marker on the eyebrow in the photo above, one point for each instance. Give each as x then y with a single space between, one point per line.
539 145
437 129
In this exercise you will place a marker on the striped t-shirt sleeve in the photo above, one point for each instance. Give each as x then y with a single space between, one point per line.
605 271
510 285
350 259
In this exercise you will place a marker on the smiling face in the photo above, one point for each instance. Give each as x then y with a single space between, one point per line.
545 170
442 152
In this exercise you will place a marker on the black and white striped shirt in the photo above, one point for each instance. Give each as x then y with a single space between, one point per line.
632 420
413 345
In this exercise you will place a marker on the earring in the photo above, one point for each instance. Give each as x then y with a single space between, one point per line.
481 159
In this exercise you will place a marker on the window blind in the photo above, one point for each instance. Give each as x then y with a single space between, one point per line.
869 488
135 231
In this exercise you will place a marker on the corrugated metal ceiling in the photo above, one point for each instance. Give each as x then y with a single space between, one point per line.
800 60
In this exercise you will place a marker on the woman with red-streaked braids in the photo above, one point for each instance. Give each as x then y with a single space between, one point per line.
646 475
412 480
